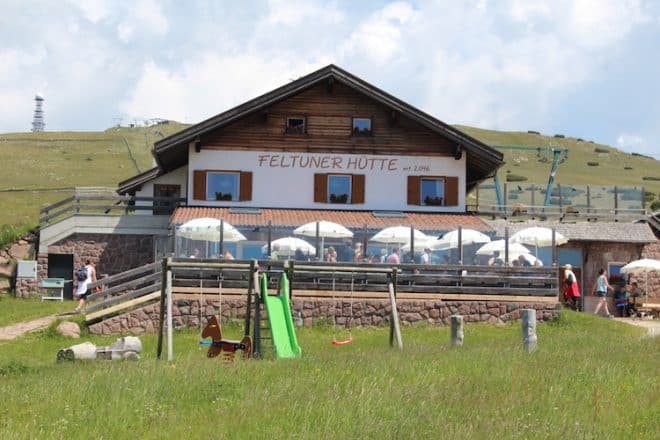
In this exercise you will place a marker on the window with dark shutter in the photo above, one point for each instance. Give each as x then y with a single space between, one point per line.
433 190
245 186
320 188
357 190
414 190
199 185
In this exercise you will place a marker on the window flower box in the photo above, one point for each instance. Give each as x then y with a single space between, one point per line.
433 201
338 198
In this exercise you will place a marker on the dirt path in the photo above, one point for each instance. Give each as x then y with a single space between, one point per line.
652 327
13 331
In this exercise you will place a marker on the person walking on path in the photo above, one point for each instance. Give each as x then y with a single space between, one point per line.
572 291
600 288
82 290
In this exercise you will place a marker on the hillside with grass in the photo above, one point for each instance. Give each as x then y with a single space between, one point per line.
41 168
587 163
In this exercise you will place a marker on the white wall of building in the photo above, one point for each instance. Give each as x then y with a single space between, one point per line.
176 177
286 180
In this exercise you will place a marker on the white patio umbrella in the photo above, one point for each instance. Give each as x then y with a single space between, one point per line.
645 265
326 229
468 236
208 229
537 236
398 235
498 245
288 246
420 243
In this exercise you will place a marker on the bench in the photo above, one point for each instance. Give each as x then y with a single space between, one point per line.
650 307
54 288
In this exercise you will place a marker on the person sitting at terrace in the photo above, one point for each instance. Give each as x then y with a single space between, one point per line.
523 261
621 295
275 252
496 260
299 255
393 258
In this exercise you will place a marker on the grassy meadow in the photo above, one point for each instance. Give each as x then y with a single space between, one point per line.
589 378
41 168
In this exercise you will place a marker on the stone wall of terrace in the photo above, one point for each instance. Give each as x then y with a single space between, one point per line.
307 312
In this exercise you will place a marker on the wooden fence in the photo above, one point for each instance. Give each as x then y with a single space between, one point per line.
106 203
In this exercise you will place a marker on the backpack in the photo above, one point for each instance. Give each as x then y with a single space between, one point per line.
81 274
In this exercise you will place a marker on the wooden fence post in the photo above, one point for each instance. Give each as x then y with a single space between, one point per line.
168 291
529 329
456 330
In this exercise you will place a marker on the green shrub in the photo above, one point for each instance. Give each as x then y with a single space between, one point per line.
592 164
653 178
655 206
649 196
515 178
601 150
627 168
11 233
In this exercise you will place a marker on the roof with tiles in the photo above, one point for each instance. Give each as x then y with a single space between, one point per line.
292 218
585 231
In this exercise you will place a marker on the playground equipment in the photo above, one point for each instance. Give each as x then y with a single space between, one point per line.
282 331
226 347
372 274
559 156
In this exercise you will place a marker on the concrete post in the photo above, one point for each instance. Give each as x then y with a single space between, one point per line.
529 329
456 330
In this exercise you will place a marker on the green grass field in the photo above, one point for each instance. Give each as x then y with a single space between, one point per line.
589 378
41 168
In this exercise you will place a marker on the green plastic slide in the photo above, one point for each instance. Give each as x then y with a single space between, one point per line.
279 317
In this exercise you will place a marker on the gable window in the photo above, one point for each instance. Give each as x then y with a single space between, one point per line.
339 188
295 125
433 190
362 126
226 186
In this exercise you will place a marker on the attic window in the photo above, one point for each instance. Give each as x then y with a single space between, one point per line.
362 126
295 125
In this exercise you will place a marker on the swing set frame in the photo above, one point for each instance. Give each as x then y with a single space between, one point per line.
292 268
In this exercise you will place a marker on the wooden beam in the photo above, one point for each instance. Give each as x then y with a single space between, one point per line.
123 306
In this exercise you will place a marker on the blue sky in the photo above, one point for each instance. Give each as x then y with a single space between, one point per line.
584 68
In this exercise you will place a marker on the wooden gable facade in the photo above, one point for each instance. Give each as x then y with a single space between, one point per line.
293 147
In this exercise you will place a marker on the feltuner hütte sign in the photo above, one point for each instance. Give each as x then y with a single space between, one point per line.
329 162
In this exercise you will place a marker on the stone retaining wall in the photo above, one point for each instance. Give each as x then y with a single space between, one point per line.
186 313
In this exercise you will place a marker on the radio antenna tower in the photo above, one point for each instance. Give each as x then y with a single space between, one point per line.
38 123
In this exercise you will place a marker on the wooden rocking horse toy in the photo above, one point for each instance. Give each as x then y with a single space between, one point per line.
227 347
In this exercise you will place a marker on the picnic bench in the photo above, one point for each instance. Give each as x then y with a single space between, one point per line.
650 307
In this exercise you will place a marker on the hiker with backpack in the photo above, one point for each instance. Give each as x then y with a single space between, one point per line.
84 275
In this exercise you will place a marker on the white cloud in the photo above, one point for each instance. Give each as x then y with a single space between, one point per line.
93 10
207 85
145 17
379 38
294 12
596 24
635 144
